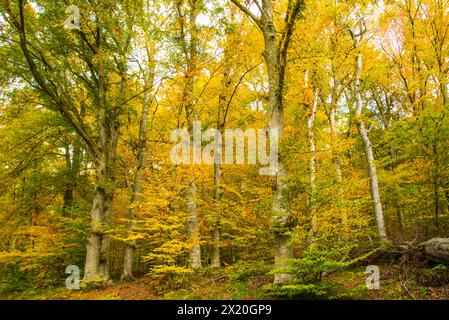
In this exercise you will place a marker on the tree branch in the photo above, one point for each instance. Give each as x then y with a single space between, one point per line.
43 86
248 13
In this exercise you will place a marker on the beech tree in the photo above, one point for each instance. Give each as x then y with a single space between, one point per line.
352 95
275 54
94 52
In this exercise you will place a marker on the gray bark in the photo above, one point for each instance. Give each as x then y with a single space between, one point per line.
136 195
99 242
92 264
192 227
190 51
275 55
311 116
436 249
218 168
101 149
280 209
374 185
334 137
336 155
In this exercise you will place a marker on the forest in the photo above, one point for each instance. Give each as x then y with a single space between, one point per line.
224 149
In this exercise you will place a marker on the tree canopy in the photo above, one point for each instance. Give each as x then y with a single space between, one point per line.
283 145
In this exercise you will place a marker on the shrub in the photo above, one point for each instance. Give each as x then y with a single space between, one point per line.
245 270
308 272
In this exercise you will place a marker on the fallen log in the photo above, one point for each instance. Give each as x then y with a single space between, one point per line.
436 249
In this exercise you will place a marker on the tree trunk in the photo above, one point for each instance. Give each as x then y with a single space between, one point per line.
98 242
105 257
400 212
436 180
311 116
335 145
436 249
334 137
192 222
70 185
73 165
140 167
374 185
283 253
275 55
193 228
218 168
280 207
190 50
336 154
92 270
102 151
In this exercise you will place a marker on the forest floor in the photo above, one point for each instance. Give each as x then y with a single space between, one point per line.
397 282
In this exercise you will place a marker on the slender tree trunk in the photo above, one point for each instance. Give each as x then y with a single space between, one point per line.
69 186
73 165
192 221
218 168
374 185
336 155
436 179
334 137
192 227
140 167
311 116
215 263
190 50
401 219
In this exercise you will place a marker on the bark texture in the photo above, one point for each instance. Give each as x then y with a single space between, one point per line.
369 154
218 167
275 55
136 195
436 249
311 116
187 15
